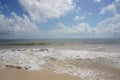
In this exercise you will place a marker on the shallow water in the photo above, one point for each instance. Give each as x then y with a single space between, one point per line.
89 59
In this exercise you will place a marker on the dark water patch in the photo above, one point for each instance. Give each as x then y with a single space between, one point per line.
16 67
28 44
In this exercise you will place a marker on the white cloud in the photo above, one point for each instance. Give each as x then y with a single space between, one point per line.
108 26
79 17
111 7
108 8
42 10
97 1
117 1
83 28
77 9
17 26
89 13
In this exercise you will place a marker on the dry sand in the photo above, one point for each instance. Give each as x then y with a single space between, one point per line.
20 74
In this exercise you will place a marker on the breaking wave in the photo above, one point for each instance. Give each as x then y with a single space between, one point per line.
87 64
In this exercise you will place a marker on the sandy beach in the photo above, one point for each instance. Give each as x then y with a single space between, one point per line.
21 74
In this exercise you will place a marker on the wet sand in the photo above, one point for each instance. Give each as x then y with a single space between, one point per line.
21 74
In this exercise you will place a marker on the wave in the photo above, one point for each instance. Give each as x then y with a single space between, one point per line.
84 63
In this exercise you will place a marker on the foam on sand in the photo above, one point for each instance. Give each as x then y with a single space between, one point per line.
86 64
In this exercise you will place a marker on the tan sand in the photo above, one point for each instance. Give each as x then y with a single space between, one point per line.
20 74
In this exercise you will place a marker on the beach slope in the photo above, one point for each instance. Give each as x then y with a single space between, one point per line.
20 74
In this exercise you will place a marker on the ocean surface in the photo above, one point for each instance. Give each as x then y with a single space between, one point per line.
90 59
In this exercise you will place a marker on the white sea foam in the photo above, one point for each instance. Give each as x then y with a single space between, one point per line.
34 59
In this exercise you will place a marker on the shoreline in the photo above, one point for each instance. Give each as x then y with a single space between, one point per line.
22 74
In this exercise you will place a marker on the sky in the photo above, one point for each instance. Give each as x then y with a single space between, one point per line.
36 19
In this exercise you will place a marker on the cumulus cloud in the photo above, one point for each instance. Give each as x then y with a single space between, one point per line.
111 7
17 26
108 26
117 1
79 17
83 28
42 10
108 8
97 1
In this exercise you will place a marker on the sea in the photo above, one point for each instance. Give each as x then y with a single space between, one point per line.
90 59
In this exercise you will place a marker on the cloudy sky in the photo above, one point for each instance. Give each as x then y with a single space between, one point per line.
59 19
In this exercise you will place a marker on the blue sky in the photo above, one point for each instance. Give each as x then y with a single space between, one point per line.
59 19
